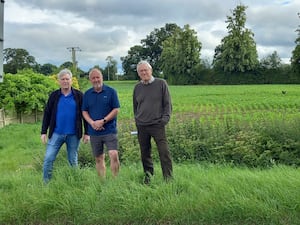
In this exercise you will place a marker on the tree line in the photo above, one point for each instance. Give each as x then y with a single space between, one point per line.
175 55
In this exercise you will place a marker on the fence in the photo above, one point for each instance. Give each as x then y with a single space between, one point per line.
10 117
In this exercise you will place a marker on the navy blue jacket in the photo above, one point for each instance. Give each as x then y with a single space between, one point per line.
49 119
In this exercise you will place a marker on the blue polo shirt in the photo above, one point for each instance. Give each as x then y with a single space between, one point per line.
99 105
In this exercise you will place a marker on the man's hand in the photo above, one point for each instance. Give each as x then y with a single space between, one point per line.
97 125
85 138
44 138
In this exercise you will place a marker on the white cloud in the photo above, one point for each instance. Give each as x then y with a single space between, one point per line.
17 14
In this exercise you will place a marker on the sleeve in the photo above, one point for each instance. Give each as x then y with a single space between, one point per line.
134 102
167 104
116 102
47 114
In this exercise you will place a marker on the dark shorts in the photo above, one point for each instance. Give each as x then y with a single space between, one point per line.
98 142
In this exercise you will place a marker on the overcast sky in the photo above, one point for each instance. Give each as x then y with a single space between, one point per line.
46 28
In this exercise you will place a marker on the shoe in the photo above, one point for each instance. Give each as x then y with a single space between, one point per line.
147 179
168 179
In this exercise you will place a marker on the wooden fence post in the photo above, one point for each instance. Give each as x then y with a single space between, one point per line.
2 118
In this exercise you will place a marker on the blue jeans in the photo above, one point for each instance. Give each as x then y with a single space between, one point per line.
53 146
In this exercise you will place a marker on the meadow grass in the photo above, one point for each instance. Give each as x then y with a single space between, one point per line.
200 193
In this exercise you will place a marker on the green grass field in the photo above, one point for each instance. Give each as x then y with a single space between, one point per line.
223 99
201 192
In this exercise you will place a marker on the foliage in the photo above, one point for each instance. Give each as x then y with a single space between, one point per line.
261 146
272 61
150 49
68 65
237 52
17 59
153 45
110 70
295 59
129 62
181 57
26 91
48 69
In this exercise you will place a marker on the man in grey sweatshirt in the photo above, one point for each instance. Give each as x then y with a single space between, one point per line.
152 110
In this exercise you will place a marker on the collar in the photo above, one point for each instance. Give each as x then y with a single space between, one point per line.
148 82
70 93
102 89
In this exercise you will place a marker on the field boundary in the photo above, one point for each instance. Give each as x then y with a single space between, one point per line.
11 117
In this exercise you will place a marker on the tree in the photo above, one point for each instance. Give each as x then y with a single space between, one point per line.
153 45
295 59
129 62
181 57
67 65
48 69
272 61
150 49
111 68
25 91
17 59
237 51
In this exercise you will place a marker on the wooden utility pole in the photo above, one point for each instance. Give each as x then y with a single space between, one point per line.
108 59
1 39
73 50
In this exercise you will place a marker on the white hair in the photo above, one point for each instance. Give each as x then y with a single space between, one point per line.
64 72
144 62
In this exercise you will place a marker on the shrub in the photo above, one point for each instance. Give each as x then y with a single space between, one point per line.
260 145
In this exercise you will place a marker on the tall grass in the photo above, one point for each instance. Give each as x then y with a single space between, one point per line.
199 194
206 120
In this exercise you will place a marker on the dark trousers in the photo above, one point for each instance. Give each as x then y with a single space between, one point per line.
159 135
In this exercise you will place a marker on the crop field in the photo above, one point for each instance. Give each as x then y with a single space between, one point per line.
240 101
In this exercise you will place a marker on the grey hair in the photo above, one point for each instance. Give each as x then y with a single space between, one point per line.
95 69
143 62
64 72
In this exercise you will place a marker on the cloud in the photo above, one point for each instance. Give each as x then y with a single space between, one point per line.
109 28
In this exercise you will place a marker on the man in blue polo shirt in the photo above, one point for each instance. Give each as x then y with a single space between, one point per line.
63 118
100 108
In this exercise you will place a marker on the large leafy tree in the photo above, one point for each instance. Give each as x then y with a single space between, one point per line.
17 59
295 59
150 49
237 51
181 57
153 45
129 62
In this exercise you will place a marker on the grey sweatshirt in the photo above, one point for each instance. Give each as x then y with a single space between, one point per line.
152 103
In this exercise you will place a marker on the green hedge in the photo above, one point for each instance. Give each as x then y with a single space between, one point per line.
259 144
